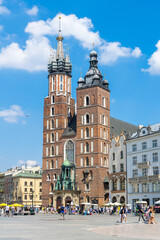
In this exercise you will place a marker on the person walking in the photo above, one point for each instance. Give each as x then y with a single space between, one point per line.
141 212
7 210
12 211
124 214
152 218
62 212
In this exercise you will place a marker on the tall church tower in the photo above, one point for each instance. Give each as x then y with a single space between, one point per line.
59 108
93 134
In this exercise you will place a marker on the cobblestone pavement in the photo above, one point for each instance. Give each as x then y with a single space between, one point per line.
98 227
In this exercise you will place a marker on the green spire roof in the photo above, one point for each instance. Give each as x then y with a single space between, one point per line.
66 163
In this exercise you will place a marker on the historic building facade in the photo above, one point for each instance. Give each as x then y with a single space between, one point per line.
143 165
82 138
117 159
117 169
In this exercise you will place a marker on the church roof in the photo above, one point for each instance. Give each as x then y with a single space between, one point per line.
116 126
70 131
66 163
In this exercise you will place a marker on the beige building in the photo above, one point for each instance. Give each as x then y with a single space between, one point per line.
27 188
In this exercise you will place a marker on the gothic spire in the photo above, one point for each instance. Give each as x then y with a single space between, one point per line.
60 53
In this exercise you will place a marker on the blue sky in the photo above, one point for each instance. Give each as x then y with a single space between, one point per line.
126 36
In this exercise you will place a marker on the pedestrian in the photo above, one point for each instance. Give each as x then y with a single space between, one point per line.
7 210
12 211
140 212
62 211
124 214
152 218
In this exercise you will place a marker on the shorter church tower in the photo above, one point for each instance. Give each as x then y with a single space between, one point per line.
93 134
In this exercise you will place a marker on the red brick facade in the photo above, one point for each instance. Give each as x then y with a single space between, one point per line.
91 136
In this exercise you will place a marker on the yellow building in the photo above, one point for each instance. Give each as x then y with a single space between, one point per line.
27 188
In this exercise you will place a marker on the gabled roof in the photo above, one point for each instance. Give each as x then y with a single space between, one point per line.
116 126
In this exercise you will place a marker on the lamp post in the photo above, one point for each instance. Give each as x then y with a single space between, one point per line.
32 197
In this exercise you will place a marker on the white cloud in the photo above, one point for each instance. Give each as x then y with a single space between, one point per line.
12 114
31 163
33 11
34 56
154 62
110 52
1 28
20 162
3 9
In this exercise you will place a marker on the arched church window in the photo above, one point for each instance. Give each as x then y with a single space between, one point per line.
69 149
87 132
54 176
103 102
86 101
87 147
52 151
52 164
53 83
52 98
52 111
52 123
52 137
87 118
87 161
61 83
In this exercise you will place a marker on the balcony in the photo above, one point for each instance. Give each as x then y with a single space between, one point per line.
145 178
154 177
144 164
139 179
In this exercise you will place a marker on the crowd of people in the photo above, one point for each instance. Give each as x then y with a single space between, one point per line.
146 214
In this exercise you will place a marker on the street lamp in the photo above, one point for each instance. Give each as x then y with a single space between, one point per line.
32 197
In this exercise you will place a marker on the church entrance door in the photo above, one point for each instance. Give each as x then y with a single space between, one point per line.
68 201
